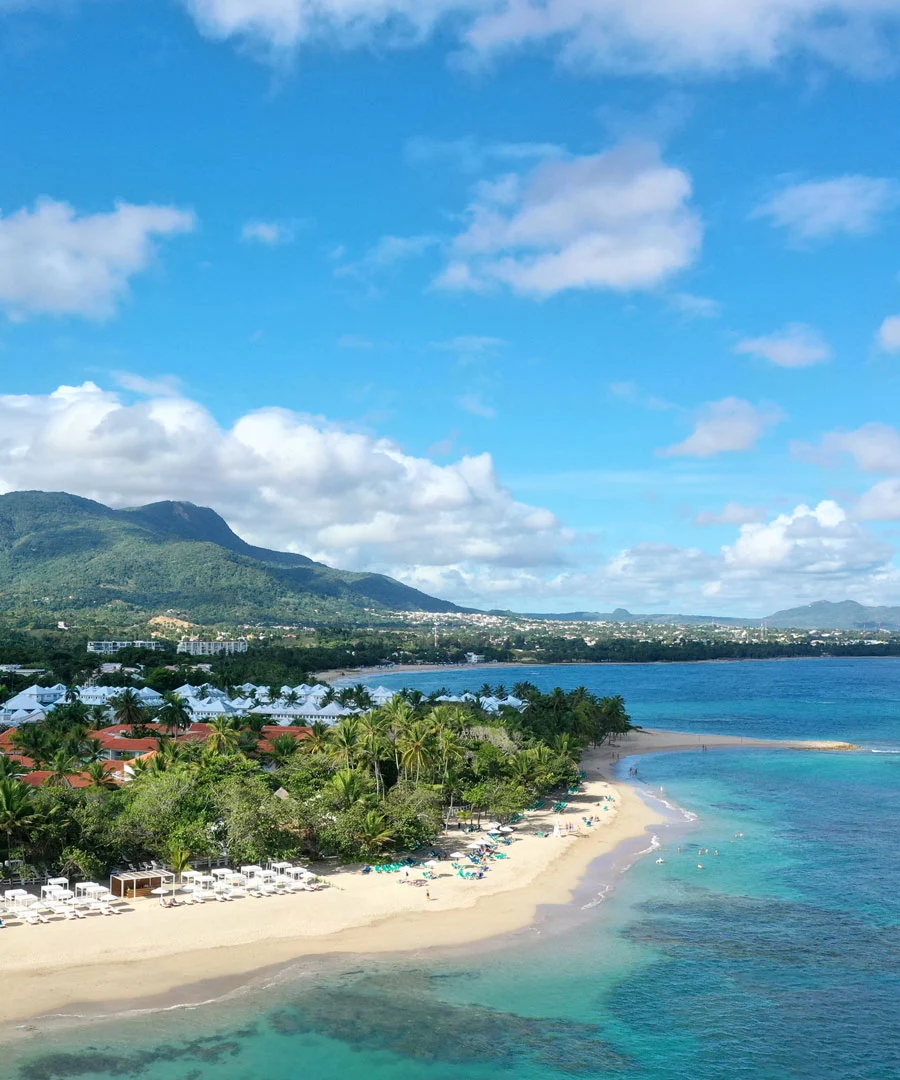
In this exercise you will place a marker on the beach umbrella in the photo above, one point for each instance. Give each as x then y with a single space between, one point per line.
475 844
457 855
506 829
491 825
431 862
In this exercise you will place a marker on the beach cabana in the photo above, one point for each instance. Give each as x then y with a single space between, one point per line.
127 883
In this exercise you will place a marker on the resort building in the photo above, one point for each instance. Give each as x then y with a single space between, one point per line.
108 648
212 648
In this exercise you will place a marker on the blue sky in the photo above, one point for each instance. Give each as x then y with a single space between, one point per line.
542 305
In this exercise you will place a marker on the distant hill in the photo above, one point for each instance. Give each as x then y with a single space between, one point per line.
822 615
622 615
62 553
846 615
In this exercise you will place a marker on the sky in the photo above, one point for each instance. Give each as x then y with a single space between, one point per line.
548 305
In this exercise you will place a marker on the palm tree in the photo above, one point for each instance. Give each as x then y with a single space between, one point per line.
179 858
223 736
348 787
99 777
30 741
566 747
17 812
375 833
283 747
399 714
128 708
363 697
345 741
10 769
62 765
316 742
291 697
91 750
376 742
416 746
174 715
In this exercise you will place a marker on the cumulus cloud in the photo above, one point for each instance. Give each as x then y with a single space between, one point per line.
888 336
281 479
819 541
732 513
794 558
639 36
880 503
616 220
729 425
54 261
798 345
819 209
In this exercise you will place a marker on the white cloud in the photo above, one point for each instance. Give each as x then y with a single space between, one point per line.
269 233
819 209
470 344
818 541
880 503
889 334
55 262
805 555
639 36
161 386
729 425
874 447
798 345
354 341
616 220
473 403
732 513
279 478
698 307
387 252
473 155
628 390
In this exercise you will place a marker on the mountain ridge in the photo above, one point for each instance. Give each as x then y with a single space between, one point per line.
818 615
64 552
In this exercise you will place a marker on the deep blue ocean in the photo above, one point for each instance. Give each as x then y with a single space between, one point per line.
779 960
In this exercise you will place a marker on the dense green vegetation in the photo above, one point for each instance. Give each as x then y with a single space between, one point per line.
66 556
380 781
627 650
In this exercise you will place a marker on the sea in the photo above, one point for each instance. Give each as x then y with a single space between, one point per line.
765 945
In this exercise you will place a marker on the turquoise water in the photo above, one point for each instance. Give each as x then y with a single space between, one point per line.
778 960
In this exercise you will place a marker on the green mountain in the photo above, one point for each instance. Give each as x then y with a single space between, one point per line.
846 615
61 554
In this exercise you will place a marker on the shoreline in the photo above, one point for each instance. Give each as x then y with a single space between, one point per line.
80 969
363 674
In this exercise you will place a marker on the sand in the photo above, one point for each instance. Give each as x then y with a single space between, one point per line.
149 950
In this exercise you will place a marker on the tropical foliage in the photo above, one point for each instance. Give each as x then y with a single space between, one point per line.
383 779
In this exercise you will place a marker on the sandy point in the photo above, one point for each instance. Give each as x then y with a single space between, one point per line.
149 950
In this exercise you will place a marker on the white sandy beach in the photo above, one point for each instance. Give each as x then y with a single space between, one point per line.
149 950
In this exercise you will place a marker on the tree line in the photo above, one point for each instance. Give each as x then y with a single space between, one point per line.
383 780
